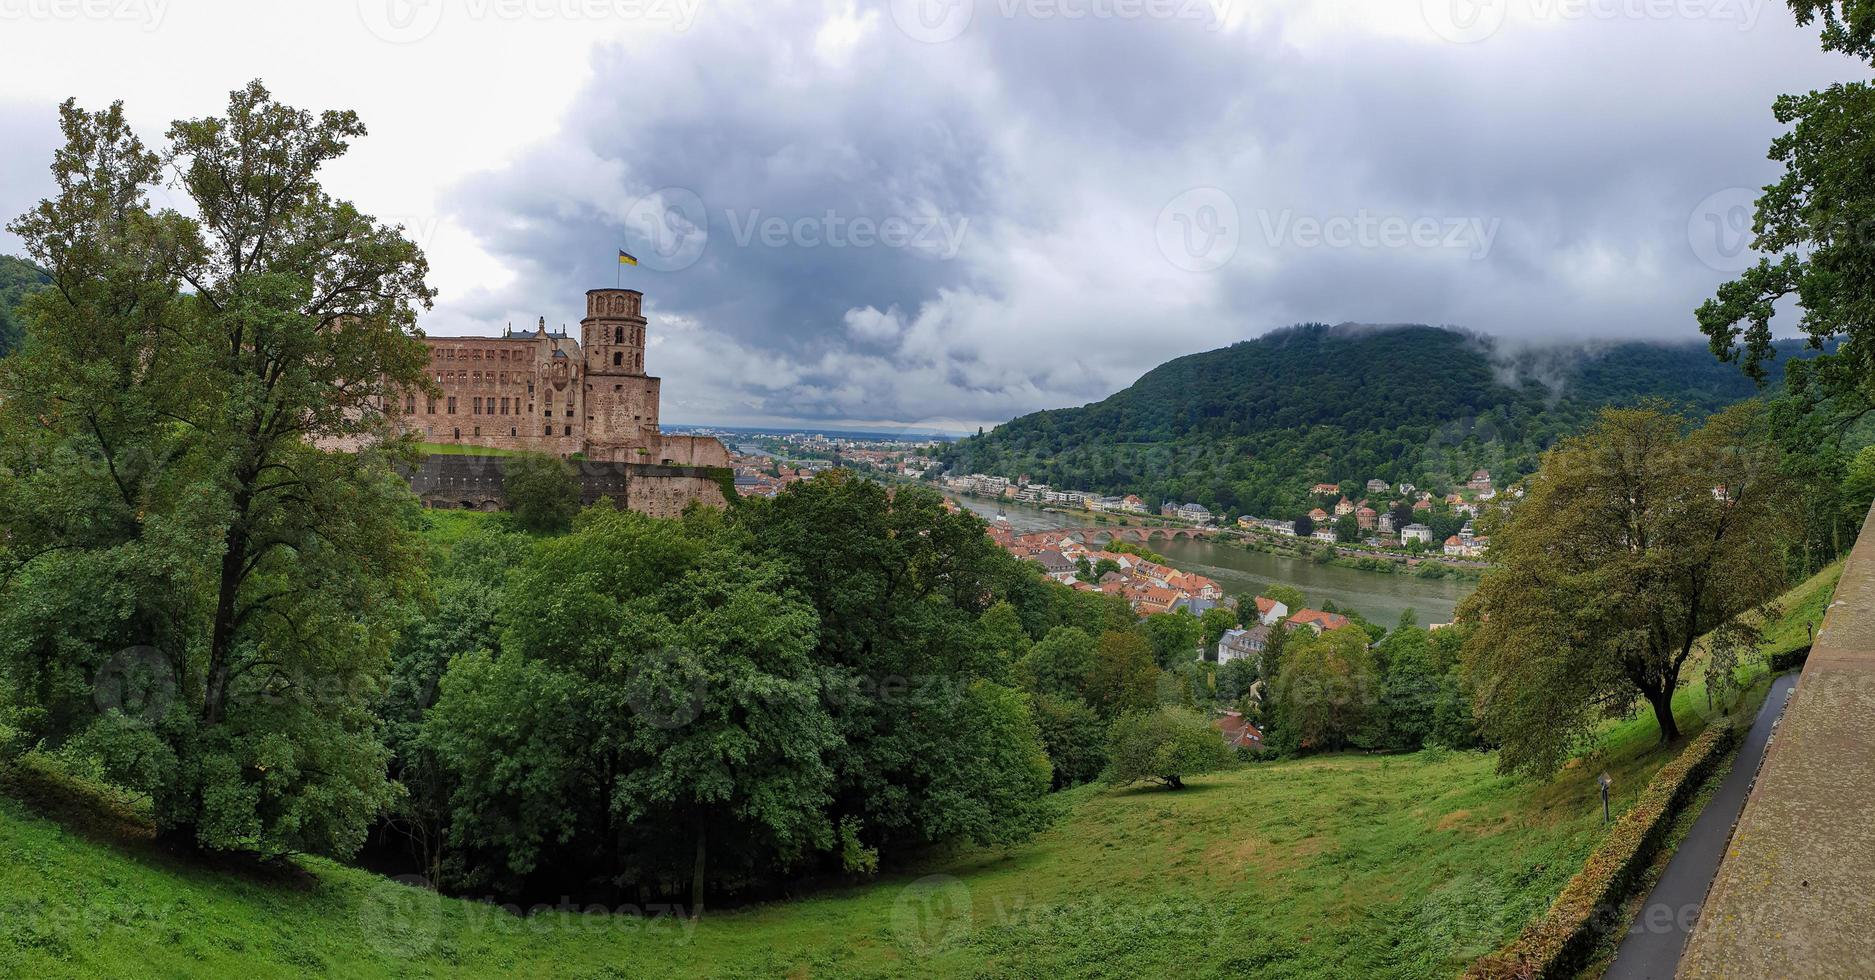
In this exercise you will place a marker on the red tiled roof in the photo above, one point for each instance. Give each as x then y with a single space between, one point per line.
1314 617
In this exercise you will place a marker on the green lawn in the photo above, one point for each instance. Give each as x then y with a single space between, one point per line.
443 528
457 449
1403 866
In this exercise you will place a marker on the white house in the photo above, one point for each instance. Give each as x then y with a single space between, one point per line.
1242 643
1416 532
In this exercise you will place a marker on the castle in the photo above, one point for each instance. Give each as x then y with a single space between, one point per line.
544 392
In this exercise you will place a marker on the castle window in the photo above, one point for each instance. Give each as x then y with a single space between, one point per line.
478 432
410 404
569 411
452 411
432 402
618 335
458 432
569 430
546 430
476 407
617 359
511 430
618 387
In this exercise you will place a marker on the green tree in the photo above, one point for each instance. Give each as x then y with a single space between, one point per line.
456 618
1633 542
1167 745
543 493
1059 663
1074 736
659 688
1347 529
1175 637
1858 485
18 279
899 583
1811 226
1288 595
1410 690
1001 628
1326 692
165 425
1123 676
1235 679
1212 626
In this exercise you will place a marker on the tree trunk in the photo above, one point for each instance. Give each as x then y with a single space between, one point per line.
221 635
1662 702
696 881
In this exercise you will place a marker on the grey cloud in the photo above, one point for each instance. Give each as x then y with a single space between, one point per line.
1054 144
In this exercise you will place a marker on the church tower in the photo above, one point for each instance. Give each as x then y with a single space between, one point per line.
621 400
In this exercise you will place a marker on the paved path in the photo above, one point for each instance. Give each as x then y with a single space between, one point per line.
1654 942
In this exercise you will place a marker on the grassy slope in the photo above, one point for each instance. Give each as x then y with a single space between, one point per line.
457 449
1329 866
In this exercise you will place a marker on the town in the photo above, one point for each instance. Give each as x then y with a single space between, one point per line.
1402 520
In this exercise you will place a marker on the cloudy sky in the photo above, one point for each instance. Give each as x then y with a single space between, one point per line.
943 213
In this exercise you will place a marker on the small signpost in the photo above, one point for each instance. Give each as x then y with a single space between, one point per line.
1606 782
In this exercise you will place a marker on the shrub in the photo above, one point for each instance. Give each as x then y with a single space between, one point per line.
1165 746
1784 660
543 493
1560 943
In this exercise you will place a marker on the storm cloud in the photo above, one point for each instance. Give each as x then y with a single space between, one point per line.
950 212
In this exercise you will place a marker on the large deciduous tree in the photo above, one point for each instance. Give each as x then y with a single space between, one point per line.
655 707
1635 540
1813 224
167 498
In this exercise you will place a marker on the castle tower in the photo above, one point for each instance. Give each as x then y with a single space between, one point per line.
621 400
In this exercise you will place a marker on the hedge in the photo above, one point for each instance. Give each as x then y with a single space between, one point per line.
1560 943
1788 659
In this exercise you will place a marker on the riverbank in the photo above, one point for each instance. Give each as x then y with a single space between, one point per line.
1379 596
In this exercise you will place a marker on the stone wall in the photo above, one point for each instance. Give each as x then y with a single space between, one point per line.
474 483
1795 892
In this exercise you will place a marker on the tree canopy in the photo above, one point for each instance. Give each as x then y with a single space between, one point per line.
166 496
1635 540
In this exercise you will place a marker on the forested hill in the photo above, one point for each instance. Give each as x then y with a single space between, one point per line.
1249 427
18 278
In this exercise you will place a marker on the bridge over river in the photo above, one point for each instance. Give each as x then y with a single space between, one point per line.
1377 595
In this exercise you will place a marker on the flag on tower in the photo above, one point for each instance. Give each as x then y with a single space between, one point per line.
626 258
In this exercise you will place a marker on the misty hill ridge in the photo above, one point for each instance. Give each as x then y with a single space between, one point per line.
1248 427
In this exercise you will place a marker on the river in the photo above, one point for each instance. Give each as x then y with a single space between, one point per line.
1376 595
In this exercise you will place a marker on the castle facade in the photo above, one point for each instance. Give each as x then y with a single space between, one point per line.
548 393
